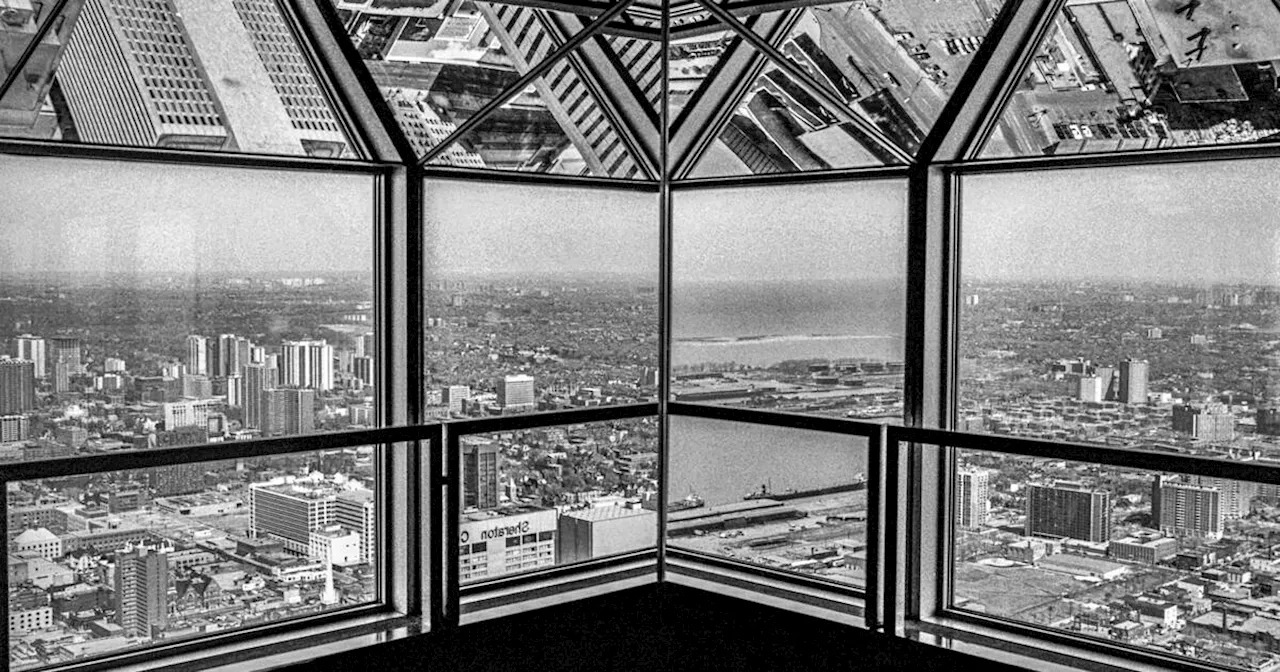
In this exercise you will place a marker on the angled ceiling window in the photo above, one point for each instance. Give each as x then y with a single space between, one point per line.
1118 76
223 75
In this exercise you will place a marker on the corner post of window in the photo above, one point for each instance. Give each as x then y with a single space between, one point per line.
450 578
879 554
664 294
4 579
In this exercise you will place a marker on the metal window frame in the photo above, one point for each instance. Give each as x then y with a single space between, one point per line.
1074 649
450 605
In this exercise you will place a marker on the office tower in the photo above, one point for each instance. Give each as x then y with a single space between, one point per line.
1213 422
197 355
191 413
1107 374
1090 389
362 369
26 110
289 513
307 364
356 510
515 393
196 387
1235 496
235 390
1068 511
67 349
1187 510
481 473
114 365
607 530
32 349
14 428
142 590
232 355
1133 381
61 377
287 411
257 379
211 74
453 396
973 499
17 386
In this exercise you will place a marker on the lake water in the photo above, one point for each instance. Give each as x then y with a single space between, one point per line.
723 461
763 323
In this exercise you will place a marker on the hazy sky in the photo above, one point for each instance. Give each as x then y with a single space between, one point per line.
1193 223
115 216
501 228
791 232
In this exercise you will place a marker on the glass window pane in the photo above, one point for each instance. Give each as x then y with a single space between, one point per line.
1118 76
166 305
793 500
103 563
1160 561
1110 306
539 298
791 298
194 74
557 495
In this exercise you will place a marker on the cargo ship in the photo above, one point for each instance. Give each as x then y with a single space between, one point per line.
765 492
690 501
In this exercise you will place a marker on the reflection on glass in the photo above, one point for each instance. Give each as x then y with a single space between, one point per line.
791 298
437 64
1127 76
1104 309
169 305
194 74
539 298
690 62
779 127
642 60
897 64
1177 563
555 126
102 563
793 500
555 495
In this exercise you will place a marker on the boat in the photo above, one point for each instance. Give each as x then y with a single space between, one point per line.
690 501
859 483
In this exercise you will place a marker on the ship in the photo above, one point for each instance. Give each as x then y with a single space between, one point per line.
765 492
690 501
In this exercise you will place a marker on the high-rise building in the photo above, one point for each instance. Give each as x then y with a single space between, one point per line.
520 539
17 386
142 590
196 387
1133 381
1090 389
1236 496
14 428
233 354
290 513
362 369
26 110
287 411
197 355
453 396
307 364
32 349
68 350
973 500
1187 510
1068 511
258 378
481 472
356 510
516 393
176 479
1213 422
